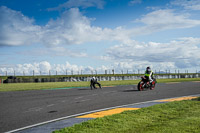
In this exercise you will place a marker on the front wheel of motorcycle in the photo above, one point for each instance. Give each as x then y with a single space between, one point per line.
140 86
153 85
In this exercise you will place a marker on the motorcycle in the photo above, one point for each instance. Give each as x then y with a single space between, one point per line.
144 84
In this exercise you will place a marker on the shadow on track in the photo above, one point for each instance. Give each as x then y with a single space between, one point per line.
129 90
133 89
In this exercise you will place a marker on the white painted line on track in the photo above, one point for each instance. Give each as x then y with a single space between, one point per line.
85 100
75 115
78 97
82 100
50 105
33 109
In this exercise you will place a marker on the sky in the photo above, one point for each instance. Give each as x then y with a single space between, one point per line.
88 36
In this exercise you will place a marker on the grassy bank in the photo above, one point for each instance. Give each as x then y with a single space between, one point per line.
49 85
174 117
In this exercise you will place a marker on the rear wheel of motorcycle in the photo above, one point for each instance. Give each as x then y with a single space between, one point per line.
140 84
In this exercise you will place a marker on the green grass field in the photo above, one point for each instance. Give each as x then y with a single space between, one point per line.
51 85
173 117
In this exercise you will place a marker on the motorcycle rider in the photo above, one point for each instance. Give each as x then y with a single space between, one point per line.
93 81
149 75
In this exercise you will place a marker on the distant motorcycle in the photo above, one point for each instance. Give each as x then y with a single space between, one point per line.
145 85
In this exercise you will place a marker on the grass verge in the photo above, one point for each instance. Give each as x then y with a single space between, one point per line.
176 117
51 85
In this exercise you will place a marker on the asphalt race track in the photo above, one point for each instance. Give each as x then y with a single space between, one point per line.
23 108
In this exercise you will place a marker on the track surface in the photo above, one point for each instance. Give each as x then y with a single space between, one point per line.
24 108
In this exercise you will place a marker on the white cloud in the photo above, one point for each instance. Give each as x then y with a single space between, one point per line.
41 67
75 28
71 28
16 29
140 66
181 53
53 52
44 66
79 4
187 4
160 20
61 51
